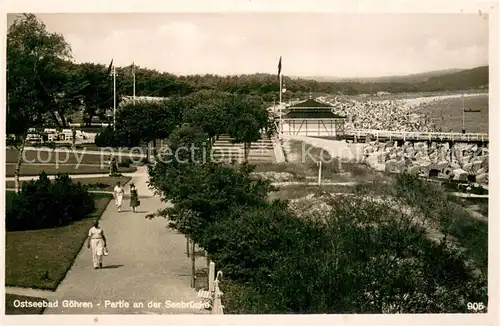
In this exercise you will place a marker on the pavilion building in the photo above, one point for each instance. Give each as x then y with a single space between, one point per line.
312 118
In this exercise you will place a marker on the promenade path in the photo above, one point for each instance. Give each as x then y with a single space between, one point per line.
103 152
77 176
146 262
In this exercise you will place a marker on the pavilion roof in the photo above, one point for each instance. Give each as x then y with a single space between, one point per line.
312 113
310 103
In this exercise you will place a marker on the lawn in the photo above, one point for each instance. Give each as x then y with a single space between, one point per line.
11 310
102 184
35 169
303 166
448 114
69 157
41 258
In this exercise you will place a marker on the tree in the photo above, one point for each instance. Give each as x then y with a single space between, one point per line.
98 93
148 121
63 89
208 109
207 190
248 118
34 58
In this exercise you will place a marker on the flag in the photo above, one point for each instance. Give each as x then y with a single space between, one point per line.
133 69
110 66
279 67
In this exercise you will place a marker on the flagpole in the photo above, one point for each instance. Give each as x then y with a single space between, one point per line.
281 104
114 98
463 115
133 74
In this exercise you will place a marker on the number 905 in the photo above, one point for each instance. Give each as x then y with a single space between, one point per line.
477 306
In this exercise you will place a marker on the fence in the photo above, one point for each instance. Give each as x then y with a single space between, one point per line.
406 135
214 293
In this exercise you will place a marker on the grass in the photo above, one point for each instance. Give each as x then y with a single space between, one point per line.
35 169
303 166
102 184
41 258
447 114
49 156
10 309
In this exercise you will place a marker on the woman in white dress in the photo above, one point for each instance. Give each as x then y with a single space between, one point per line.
97 243
118 193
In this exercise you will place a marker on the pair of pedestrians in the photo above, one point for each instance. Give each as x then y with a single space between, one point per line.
119 192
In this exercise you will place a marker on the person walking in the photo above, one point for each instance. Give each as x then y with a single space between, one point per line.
97 243
118 194
134 197
113 166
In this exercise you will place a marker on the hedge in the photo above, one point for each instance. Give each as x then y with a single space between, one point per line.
45 204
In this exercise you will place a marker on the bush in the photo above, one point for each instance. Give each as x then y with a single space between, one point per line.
248 240
44 204
362 249
105 138
124 162
119 138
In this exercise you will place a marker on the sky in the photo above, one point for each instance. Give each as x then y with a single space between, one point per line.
311 44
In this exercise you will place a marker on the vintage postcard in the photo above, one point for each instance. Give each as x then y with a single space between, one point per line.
241 162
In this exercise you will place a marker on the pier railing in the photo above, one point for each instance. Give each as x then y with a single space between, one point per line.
407 135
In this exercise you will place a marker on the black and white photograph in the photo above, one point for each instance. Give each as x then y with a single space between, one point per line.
248 163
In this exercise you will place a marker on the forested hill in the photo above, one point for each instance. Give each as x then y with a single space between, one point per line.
410 78
470 78
153 83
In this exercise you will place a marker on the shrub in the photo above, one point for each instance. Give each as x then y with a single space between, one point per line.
111 138
45 204
278 263
124 163
248 240
106 138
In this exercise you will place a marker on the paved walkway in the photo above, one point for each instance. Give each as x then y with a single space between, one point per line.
115 152
76 176
59 164
146 262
